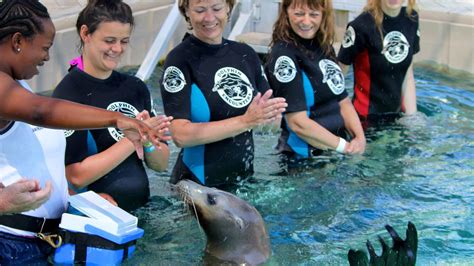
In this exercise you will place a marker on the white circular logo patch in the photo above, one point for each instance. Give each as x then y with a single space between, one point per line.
395 47
233 86
173 79
124 108
332 76
68 133
349 37
285 69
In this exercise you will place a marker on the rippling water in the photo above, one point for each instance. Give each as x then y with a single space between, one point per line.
317 212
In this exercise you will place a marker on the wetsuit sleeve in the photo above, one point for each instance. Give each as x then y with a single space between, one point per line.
342 96
261 79
285 78
416 45
146 96
175 87
354 43
76 140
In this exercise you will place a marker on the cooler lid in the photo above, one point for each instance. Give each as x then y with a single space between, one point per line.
94 206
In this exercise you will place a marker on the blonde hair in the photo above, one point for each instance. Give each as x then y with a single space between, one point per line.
374 7
183 5
325 36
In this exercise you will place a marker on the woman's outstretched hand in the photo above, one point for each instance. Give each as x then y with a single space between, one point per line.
138 132
264 109
356 146
23 195
160 123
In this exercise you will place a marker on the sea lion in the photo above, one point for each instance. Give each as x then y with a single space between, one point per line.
402 252
235 230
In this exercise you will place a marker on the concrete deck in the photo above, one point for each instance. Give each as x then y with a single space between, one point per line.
447 28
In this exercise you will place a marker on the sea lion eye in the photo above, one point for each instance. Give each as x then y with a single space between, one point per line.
211 199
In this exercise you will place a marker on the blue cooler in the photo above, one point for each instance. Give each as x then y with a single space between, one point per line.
102 235
95 247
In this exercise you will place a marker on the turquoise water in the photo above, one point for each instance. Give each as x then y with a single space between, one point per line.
423 174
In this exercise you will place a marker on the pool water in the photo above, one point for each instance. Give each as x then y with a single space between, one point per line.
318 211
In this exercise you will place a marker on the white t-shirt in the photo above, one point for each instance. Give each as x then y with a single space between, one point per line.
37 153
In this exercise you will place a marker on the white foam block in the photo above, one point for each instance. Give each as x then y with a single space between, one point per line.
78 223
94 206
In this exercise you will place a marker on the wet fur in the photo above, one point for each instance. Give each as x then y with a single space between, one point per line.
235 230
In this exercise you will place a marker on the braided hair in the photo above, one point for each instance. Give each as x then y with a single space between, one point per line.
23 16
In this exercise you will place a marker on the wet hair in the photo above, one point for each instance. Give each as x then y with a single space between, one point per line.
98 11
374 7
23 16
325 35
183 5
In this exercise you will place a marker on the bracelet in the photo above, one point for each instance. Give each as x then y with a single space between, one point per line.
341 146
147 144
149 149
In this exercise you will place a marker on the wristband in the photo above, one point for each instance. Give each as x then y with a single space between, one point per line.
341 146
147 144
148 147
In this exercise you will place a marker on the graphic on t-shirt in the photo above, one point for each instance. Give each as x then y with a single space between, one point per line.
124 108
285 69
233 86
395 47
349 37
173 80
332 76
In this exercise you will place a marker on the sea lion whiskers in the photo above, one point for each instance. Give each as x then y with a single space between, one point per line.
188 201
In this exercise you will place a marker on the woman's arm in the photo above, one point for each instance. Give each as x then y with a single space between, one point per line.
17 103
92 168
409 92
353 125
311 132
156 158
261 110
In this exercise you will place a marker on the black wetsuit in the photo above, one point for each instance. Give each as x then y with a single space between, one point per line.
205 83
128 182
379 73
309 81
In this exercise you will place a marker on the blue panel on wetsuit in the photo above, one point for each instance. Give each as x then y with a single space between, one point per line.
91 150
91 145
298 145
193 157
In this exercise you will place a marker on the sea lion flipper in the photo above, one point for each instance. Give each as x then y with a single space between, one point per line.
402 252
412 241
374 258
384 245
357 258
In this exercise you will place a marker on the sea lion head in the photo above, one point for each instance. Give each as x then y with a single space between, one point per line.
235 230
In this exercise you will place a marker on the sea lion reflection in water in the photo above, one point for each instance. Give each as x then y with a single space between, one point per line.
235 230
